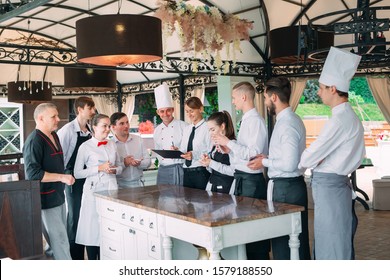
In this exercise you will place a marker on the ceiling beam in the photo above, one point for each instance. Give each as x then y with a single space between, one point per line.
23 8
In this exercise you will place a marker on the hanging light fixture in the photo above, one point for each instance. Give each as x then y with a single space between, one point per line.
78 79
29 91
114 40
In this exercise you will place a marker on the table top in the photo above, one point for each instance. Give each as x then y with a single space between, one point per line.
198 206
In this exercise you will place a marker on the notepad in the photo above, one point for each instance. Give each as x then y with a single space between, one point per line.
169 153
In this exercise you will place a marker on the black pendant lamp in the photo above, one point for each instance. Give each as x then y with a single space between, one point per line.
29 91
78 79
114 40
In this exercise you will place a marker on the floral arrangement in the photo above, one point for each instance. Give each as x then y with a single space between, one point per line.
384 136
203 30
146 127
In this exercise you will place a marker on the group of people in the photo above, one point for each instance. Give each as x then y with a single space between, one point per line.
81 160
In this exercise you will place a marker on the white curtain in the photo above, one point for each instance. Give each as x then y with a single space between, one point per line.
103 106
380 88
128 106
297 87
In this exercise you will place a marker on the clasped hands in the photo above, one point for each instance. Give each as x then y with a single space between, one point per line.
107 167
131 161
256 162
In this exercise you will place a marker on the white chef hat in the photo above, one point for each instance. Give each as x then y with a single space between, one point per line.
339 68
163 96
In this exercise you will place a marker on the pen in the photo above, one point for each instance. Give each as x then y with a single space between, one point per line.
173 145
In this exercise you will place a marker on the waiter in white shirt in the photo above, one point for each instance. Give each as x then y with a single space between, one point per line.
131 151
251 140
338 151
286 182
71 136
168 136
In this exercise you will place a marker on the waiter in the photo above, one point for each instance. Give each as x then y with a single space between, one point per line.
286 182
251 140
71 136
167 136
338 151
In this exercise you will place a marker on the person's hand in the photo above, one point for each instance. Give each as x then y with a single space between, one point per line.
104 167
68 179
256 162
205 160
220 139
131 161
187 155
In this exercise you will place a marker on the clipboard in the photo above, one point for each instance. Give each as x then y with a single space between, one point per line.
169 153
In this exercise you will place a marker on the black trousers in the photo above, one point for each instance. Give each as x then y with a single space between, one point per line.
73 199
292 191
93 252
196 177
253 185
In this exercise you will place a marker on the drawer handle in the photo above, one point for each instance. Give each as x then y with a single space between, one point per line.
110 229
109 209
111 249
153 249
131 231
123 216
132 219
141 222
151 225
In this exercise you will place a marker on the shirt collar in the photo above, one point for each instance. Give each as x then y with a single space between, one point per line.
339 108
283 113
116 140
199 123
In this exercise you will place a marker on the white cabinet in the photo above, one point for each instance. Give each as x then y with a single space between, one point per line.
11 128
128 232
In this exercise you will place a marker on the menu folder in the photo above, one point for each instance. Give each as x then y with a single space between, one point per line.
169 153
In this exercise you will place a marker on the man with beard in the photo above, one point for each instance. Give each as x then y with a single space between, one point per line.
286 182
71 136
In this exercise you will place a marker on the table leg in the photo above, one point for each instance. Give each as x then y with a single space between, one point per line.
241 252
214 255
167 245
294 246
362 192
363 202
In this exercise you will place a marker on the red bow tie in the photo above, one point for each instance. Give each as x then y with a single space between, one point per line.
102 143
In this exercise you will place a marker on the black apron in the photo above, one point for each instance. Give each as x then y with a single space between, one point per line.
218 179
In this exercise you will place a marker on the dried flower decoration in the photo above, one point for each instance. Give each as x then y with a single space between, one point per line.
146 127
203 30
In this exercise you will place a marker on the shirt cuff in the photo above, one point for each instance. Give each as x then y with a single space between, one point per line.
266 162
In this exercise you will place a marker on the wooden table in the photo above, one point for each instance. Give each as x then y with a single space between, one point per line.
211 220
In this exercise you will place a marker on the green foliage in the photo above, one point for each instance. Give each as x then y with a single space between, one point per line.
360 86
310 92
313 110
212 98
354 98
145 107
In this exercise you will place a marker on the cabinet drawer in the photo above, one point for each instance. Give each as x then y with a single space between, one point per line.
110 210
154 247
140 219
110 229
111 249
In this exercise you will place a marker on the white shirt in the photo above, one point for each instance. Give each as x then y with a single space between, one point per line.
340 146
288 141
201 143
251 140
68 138
165 135
132 147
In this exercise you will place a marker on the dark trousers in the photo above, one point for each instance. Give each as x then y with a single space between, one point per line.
253 185
73 199
93 252
292 191
196 177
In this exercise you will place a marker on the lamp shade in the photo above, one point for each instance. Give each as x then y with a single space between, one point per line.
29 91
113 40
77 79
288 44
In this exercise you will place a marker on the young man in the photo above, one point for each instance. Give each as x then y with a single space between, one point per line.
338 150
286 182
167 136
133 155
251 140
44 161
71 136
